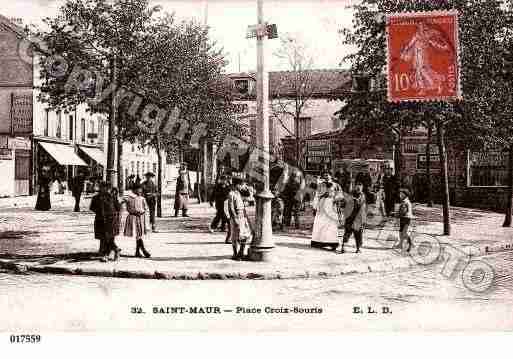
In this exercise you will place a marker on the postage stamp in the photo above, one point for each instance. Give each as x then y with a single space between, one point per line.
423 56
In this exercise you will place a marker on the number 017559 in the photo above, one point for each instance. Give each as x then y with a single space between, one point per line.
25 339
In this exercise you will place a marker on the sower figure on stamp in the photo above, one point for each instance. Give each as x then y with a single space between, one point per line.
103 206
183 188
355 217
136 207
150 195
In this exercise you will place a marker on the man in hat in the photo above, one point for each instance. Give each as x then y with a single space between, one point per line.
150 192
390 187
356 217
77 187
183 188
102 204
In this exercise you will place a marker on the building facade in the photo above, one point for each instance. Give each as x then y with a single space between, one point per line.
35 138
16 84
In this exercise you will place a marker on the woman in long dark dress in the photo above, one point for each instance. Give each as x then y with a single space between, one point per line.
43 194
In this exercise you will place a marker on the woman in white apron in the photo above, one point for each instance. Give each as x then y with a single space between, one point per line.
326 222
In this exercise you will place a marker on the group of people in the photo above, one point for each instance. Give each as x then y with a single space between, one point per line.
336 206
106 206
230 196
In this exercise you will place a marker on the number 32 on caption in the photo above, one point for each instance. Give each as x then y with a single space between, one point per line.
25 339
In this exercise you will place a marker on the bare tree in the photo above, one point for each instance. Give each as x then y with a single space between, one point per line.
294 89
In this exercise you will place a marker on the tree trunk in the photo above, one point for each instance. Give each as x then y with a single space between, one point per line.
445 179
206 165
428 166
398 160
296 130
121 179
509 203
111 161
159 178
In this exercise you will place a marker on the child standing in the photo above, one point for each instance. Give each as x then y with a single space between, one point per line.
405 217
240 231
136 207
277 207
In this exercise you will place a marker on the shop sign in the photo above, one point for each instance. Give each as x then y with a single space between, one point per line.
491 158
5 154
434 162
318 148
21 114
4 142
19 143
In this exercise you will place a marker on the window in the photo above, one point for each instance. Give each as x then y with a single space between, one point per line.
488 169
58 130
46 122
154 167
242 86
71 127
83 130
138 168
126 173
132 167
148 169
133 147
91 126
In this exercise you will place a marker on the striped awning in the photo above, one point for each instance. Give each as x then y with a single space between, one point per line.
65 155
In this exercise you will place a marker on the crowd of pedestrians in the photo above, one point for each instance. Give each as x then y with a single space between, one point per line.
338 203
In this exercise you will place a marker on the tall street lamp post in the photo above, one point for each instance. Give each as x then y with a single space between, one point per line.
262 244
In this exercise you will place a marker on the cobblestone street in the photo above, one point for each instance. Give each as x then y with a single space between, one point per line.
86 303
413 295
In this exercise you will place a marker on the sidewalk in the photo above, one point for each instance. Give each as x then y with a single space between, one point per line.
61 241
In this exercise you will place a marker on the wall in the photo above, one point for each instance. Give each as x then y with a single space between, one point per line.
7 184
15 74
320 110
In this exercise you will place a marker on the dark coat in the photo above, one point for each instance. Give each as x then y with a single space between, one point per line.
104 207
77 186
43 195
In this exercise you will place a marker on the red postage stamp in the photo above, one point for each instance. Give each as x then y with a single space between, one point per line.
423 56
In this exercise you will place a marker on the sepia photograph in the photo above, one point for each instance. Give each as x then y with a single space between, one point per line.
251 166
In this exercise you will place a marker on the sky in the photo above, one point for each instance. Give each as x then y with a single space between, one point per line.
316 22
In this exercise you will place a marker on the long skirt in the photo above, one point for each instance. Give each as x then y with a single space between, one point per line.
43 200
325 228
181 201
137 221
116 224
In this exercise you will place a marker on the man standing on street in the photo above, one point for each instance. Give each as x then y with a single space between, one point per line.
356 217
102 204
183 188
390 187
150 192
77 186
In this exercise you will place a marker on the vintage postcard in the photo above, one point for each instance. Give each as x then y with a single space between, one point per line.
255 166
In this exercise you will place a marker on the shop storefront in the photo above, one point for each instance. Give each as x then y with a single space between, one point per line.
59 160
95 158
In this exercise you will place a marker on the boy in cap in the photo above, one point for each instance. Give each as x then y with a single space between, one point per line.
405 217
150 195
356 217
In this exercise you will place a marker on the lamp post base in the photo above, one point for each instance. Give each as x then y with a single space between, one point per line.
261 248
